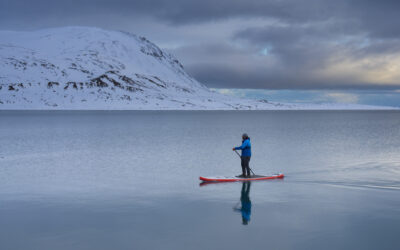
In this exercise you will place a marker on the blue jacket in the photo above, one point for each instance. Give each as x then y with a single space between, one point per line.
246 148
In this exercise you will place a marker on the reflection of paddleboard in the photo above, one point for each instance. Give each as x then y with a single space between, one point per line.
236 178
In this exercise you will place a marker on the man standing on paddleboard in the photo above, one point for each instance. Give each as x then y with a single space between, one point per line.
246 155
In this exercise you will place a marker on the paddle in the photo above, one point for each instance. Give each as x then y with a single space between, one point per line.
241 158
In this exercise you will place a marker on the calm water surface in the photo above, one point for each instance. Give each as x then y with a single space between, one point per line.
129 180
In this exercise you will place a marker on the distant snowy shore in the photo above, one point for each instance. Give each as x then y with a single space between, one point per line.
83 68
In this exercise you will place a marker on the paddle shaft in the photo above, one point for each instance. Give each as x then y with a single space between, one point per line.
241 158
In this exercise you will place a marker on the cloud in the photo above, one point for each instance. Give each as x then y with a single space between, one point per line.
379 18
178 12
327 53
226 66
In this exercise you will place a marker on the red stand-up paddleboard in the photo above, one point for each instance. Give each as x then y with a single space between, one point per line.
236 178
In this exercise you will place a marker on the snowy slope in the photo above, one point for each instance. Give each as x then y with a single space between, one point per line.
91 68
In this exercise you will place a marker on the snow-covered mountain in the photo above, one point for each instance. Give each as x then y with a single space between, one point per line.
92 68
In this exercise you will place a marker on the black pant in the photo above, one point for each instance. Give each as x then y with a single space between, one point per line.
245 165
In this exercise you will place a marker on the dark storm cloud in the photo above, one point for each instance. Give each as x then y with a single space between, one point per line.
175 11
300 39
379 18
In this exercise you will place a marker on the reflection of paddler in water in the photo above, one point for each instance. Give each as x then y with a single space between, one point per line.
245 208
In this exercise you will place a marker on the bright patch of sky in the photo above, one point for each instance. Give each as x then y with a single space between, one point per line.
264 51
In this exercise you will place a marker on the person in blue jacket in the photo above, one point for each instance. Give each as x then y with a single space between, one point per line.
246 155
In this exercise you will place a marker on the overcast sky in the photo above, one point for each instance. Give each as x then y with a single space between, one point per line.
328 46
